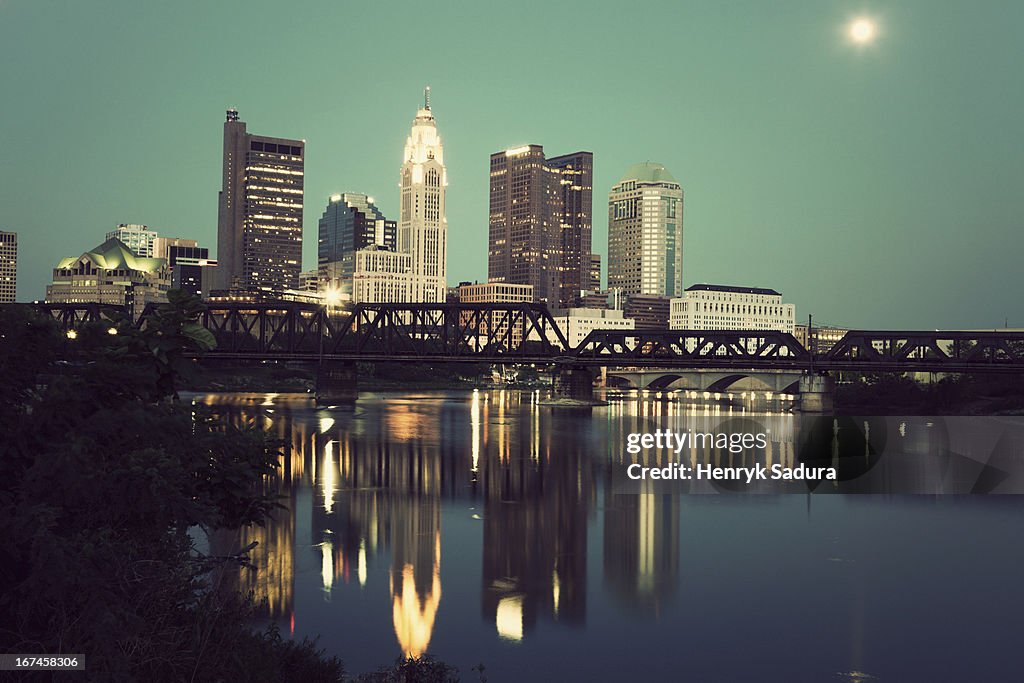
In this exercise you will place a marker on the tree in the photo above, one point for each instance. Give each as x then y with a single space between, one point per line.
102 474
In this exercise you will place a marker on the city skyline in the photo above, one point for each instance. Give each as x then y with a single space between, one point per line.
872 184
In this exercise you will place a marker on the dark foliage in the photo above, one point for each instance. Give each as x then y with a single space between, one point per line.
102 474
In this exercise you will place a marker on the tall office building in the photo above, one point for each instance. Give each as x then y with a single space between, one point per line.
8 267
350 222
540 222
574 205
139 238
423 227
645 232
259 225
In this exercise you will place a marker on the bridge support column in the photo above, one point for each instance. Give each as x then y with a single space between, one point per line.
817 394
336 383
573 386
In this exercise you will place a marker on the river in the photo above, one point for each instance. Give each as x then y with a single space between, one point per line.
482 527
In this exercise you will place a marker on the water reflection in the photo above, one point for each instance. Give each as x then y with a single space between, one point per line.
521 501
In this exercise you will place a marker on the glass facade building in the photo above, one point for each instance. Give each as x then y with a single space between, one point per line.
350 222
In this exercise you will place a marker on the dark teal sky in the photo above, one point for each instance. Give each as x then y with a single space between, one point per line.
874 187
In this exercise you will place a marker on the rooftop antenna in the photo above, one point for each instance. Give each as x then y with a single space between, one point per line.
426 98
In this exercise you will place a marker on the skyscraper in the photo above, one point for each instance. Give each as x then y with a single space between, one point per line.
423 227
540 222
259 226
350 222
8 267
575 199
645 232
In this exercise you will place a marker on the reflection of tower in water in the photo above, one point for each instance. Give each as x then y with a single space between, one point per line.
415 581
381 490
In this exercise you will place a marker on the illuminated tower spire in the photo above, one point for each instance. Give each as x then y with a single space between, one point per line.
423 228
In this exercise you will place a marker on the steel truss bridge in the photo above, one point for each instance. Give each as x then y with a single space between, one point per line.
527 333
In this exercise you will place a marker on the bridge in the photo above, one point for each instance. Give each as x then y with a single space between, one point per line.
705 379
527 333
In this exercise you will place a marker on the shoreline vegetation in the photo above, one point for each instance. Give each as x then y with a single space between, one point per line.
103 473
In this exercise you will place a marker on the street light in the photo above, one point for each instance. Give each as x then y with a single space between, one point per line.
72 334
112 331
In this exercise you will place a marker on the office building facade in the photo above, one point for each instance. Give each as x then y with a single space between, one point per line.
722 307
645 232
259 226
192 269
8 267
540 222
422 225
381 276
350 222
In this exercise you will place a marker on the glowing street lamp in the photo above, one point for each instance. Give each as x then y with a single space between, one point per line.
72 334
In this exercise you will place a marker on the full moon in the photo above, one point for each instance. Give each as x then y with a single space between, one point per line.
862 31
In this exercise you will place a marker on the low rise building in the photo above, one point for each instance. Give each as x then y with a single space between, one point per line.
494 293
111 273
381 276
821 338
722 307
649 312
577 323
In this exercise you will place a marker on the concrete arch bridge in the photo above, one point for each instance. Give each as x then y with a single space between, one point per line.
700 379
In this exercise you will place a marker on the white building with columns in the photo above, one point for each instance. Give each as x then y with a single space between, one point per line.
422 227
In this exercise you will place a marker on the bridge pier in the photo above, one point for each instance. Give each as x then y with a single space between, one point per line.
817 394
573 385
336 383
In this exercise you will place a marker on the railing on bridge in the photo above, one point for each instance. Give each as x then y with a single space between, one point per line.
527 332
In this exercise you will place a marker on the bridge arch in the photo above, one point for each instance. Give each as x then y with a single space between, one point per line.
662 382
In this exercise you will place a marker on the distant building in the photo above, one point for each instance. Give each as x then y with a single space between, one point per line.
577 323
645 232
540 224
259 224
162 245
649 312
422 225
139 238
309 281
192 269
595 273
8 267
110 274
720 307
382 276
822 339
350 222
495 292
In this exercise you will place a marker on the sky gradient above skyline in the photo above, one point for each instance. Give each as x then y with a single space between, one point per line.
873 185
